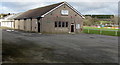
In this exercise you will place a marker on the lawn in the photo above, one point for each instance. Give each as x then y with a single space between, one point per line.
86 27
101 31
5 28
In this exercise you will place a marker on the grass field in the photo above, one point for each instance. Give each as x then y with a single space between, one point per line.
6 28
85 27
101 31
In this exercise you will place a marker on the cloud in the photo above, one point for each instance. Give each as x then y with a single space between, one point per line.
96 7
8 10
60 0
19 6
82 7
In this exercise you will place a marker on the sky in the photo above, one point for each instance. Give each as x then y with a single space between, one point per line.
107 7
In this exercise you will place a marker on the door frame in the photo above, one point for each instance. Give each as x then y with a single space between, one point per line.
38 26
72 24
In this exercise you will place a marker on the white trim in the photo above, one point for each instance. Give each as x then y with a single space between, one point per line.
75 10
52 10
61 5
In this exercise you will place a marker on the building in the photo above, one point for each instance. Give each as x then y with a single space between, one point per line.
8 20
55 18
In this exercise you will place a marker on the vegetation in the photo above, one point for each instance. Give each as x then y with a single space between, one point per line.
115 19
102 28
88 21
5 28
110 33
93 21
104 22
102 31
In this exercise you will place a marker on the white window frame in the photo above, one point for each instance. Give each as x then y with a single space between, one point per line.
64 12
77 26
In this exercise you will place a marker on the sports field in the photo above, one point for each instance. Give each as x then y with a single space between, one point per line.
101 31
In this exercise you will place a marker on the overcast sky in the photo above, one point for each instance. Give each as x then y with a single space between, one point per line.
83 6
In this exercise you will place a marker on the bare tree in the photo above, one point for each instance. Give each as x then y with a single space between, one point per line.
115 19
88 21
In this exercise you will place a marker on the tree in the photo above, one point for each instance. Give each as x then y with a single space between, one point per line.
87 21
115 19
95 21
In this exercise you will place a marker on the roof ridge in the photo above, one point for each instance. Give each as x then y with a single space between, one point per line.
48 5
43 10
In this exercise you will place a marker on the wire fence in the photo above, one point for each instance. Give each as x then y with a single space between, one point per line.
102 32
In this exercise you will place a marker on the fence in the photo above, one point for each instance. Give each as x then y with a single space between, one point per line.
102 32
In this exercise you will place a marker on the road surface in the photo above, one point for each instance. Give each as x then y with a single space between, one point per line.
52 48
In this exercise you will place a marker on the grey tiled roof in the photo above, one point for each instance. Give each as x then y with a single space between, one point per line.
38 12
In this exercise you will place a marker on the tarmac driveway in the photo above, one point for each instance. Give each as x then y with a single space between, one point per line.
80 48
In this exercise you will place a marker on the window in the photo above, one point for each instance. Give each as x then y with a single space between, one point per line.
77 26
59 24
55 23
64 12
63 24
66 24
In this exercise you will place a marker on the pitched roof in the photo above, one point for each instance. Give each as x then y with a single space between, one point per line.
38 12
42 11
11 16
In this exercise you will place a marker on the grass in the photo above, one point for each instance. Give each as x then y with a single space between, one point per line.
93 30
6 28
112 33
98 28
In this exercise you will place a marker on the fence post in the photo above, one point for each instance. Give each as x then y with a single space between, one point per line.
100 31
116 32
88 31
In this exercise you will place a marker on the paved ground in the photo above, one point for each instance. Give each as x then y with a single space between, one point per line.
82 48
0 46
